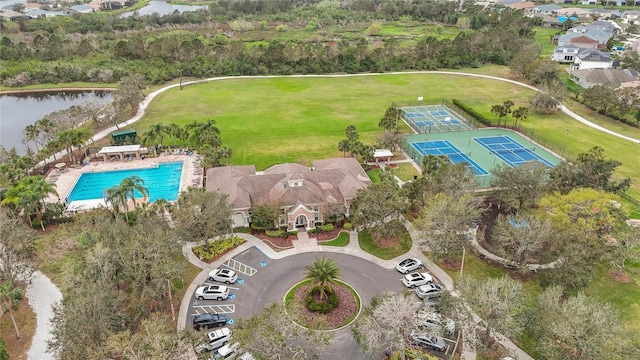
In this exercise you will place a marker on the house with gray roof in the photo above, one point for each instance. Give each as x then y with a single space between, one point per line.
549 9
591 77
591 59
303 196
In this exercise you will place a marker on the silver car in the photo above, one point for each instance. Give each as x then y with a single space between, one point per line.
428 341
408 265
437 321
212 292
215 340
430 291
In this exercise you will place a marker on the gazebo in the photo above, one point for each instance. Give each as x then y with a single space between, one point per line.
382 154
122 151
120 137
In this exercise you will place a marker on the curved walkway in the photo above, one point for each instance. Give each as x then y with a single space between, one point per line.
42 295
353 248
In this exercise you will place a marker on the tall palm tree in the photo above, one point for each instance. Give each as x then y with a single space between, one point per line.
205 133
175 131
225 153
31 133
129 186
154 136
67 139
116 198
322 272
10 297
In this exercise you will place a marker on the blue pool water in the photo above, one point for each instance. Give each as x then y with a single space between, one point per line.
163 182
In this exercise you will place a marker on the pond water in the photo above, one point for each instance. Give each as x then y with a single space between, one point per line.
19 110
9 3
163 8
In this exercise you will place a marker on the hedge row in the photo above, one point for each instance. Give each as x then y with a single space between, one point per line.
469 110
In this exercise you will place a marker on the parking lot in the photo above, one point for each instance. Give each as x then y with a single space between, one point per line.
262 280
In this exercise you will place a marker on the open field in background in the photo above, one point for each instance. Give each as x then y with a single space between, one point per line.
543 37
275 120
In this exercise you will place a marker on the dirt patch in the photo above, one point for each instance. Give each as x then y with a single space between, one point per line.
347 306
619 276
26 321
450 264
388 242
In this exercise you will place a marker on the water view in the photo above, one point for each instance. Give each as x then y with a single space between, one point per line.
20 110
163 8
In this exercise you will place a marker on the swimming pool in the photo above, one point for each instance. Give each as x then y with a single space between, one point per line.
163 182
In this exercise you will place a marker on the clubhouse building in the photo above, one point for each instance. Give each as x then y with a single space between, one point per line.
304 196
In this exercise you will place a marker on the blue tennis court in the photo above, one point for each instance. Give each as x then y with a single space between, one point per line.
426 119
510 151
444 147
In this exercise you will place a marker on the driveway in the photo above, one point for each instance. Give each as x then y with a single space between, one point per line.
273 278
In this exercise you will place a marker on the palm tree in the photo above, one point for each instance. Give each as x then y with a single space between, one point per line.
344 146
205 133
225 153
10 297
31 133
153 136
28 195
322 272
116 198
129 186
521 113
175 131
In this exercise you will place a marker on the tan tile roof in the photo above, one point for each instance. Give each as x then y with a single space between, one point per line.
331 179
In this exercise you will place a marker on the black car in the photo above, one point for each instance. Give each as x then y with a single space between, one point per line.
208 321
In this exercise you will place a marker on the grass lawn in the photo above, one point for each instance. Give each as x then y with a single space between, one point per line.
275 120
369 245
405 171
543 37
374 175
341 240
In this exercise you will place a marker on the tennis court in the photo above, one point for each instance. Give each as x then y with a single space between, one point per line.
510 151
444 147
426 119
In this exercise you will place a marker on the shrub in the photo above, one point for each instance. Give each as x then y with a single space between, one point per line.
325 306
216 248
276 233
282 28
476 115
292 233
312 231
327 227
347 226
243 230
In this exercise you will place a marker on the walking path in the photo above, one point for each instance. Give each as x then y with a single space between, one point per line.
306 244
42 295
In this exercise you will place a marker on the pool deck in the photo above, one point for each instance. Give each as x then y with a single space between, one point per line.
65 179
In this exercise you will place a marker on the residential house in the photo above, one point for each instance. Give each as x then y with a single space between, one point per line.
591 59
631 16
13 15
302 195
548 10
82 9
565 54
591 77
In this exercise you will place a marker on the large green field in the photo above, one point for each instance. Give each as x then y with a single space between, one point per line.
274 120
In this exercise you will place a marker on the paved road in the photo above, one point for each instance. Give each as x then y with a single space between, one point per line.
271 282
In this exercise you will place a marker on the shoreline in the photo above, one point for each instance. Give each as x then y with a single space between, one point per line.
11 92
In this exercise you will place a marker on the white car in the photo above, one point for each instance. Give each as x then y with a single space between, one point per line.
430 291
212 292
215 339
408 265
416 279
223 275
435 320
226 352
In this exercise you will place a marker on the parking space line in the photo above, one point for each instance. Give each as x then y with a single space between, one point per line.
214 309
240 267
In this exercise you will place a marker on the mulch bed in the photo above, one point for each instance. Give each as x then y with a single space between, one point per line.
347 306
276 243
327 235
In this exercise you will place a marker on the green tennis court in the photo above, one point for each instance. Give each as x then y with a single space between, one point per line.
473 144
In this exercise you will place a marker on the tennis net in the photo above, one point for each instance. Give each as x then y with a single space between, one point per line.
513 151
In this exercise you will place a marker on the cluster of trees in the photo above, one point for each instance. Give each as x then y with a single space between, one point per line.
163 55
354 146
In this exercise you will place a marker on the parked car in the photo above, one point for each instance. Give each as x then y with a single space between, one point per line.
430 291
431 319
208 321
428 341
408 265
215 339
416 279
228 351
212 292
223 275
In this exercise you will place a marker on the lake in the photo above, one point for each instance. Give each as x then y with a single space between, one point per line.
22 109
163 8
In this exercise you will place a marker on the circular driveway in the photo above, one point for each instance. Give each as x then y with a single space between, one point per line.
273 278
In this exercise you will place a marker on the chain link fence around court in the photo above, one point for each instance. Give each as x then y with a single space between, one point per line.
467 122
